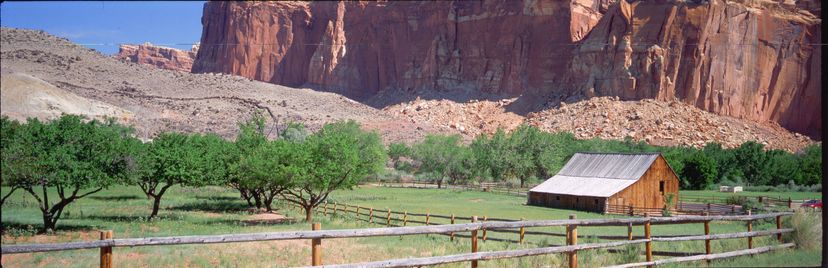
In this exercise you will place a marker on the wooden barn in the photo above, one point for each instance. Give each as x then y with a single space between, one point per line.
606 182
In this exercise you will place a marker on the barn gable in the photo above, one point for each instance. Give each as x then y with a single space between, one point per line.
597 174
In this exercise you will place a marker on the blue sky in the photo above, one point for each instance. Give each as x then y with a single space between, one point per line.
110 23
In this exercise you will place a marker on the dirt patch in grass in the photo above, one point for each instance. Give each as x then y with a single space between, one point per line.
476 200
268 218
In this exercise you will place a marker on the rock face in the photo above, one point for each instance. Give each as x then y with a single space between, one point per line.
753 62
360 48
161 57
750 60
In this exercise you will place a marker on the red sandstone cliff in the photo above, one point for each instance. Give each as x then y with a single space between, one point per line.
161 57
752 62
360 48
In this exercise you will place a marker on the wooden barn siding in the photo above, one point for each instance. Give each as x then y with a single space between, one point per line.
585 203
644 193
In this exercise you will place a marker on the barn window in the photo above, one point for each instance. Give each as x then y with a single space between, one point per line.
661 187
558 197
596 201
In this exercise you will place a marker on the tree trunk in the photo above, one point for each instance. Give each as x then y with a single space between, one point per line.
156 203
258 198
522 181
48 223
246 196
268 203
439 184
308 213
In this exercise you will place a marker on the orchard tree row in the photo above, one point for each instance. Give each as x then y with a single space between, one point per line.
530 154
63 160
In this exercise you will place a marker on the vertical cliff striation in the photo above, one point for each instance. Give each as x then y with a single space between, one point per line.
748 59
360 48
754 62
161 57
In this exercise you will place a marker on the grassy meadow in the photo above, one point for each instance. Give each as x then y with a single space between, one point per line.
216 210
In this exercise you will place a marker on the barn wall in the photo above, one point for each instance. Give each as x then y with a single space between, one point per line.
645 193
585 203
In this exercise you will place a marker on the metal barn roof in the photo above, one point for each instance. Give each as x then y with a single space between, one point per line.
597 174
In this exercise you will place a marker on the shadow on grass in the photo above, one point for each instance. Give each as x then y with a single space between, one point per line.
223 206
22 229
219 198
118 218
116 198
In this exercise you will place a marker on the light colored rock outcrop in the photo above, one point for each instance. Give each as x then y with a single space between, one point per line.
161 57
24 96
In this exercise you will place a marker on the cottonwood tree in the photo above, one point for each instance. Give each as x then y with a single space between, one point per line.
339 156
444 157
64 160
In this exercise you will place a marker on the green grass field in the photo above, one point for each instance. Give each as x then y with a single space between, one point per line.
215 210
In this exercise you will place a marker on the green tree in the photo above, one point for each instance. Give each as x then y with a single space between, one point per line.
340 155
12 164
810 164
698 172
66 159
271 169
752 160
181 159
782 167
295 132
251 137
441 156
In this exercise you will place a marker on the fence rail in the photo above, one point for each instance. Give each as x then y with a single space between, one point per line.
690 199
316 235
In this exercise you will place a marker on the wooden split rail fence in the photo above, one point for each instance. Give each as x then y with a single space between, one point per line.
316 235
688 203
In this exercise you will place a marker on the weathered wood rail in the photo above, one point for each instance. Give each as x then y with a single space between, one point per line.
316 235
719 203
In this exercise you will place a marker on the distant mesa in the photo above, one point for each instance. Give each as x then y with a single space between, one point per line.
158 56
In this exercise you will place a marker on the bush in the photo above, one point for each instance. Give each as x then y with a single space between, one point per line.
745 202
629 254
807 227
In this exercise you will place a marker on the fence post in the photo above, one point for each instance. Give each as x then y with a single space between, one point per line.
790 203
572 235
522 231
629 231
334 208
388 218
452 222
649 244
371 215
326 209
484 229
750 229
631 210
474 242
428 216
707 232
106 252
733 209
316 246
708 208
779 226
405 218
